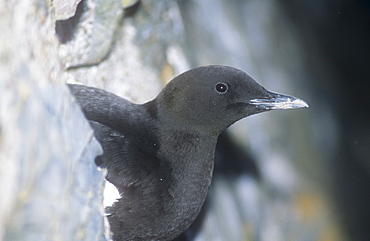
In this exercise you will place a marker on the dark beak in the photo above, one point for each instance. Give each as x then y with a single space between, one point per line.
275 101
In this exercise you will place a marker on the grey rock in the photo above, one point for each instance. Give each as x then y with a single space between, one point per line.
91 35
64 9
50 187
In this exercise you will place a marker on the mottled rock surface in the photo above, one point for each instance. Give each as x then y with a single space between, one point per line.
49 184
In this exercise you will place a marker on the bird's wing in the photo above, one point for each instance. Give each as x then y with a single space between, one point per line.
101 106
128 163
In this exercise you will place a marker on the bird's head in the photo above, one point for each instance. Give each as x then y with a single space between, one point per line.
214 97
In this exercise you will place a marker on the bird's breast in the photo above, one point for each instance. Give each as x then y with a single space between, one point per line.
190 160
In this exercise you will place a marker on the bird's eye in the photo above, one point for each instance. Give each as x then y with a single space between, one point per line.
221 88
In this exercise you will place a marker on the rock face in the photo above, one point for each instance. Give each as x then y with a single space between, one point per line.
50 188
49 184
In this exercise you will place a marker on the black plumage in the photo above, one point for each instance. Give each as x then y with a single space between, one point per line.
160 154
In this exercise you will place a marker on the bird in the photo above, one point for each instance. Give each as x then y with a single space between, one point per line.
160 154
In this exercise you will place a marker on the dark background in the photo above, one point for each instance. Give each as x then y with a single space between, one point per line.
339 31
333 39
